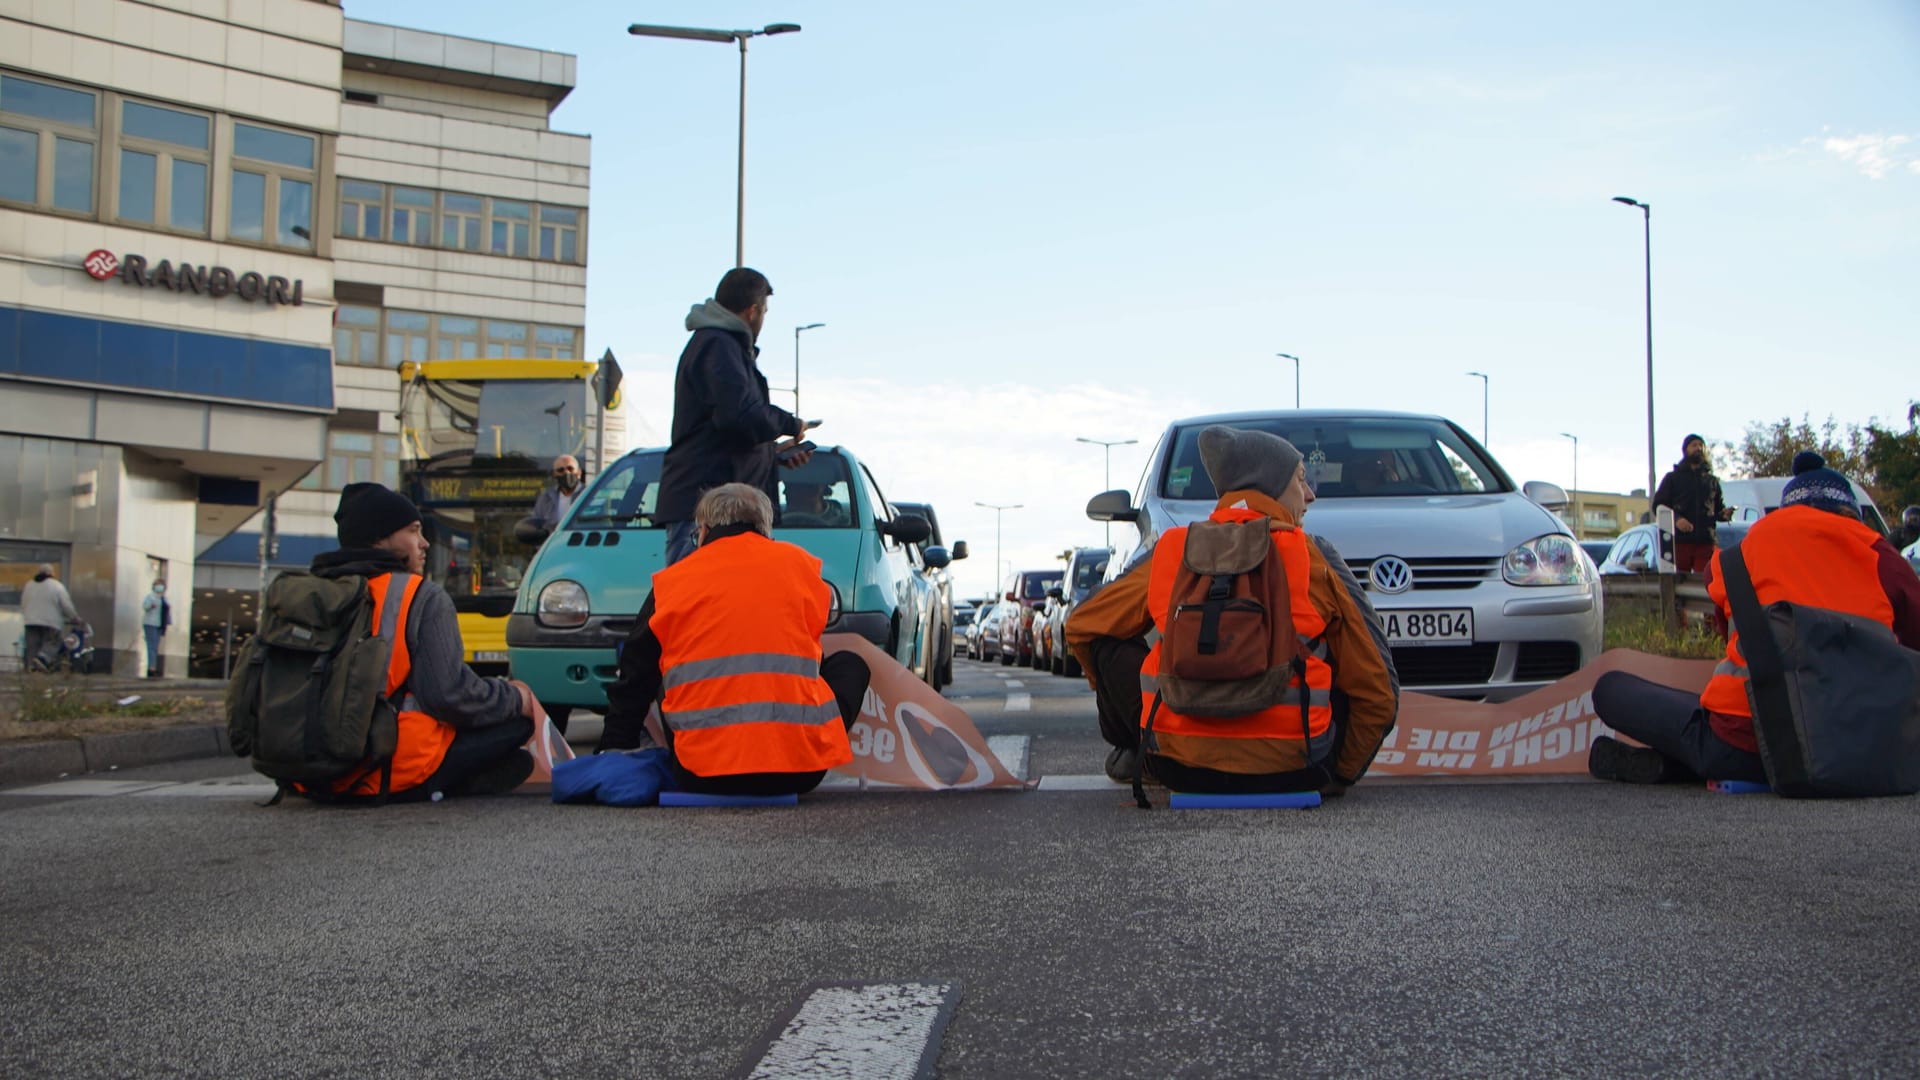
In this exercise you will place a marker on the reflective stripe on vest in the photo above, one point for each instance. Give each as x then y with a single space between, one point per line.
1807 556
423 741
1281 721
739 625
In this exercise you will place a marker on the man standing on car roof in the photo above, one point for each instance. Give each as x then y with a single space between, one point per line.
1693 493
724 427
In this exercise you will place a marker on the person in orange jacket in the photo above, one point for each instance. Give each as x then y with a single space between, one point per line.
1264 475
728 643
1813 551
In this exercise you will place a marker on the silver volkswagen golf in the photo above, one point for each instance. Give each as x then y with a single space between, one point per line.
1481 588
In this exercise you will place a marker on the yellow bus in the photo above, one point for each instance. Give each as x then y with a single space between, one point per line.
477 443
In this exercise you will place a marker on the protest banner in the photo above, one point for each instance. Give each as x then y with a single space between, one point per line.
909 736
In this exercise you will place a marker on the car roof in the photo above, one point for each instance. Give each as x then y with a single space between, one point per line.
1307 414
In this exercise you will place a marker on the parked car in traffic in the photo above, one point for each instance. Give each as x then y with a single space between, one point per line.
584 587
963 629
1480 587
994 625
1086 568
1029 595
1755 497
1597 549
940 582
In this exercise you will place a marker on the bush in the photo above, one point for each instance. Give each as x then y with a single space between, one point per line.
1649 633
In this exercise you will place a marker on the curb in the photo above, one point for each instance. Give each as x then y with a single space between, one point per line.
26 763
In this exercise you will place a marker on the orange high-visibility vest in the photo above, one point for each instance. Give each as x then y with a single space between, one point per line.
423 740
1811 558
739 624
1280 721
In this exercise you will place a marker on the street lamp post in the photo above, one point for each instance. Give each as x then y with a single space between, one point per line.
690 33
997 511
1576 482
1646 234
1296 375
1486 389
796 365
1107 483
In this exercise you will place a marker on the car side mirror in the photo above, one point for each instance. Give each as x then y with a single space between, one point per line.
1112 506
530 532
1055 593
908 529
1551 496
1009 595
936 556
959 549
1637 562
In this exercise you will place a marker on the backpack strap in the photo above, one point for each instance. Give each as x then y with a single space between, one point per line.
1766 671
1140 757
1217 592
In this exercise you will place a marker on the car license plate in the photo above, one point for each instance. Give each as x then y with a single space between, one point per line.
490 657
1429 626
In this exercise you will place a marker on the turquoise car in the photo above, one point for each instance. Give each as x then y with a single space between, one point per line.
583 589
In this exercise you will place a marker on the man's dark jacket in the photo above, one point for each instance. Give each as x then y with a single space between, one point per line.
1694 493
724 427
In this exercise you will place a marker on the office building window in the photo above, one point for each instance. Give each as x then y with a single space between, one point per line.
355 457
48 136
506 340
559 233
273 182
362 209
412 216
510 227
456 337
165 158
356 335
460 219
407 334
556 343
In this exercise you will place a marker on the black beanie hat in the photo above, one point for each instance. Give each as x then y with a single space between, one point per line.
1688 440
369 513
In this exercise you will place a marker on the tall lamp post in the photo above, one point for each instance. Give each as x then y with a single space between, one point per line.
689 33
997 511
1486 389
1576 482
1296 375
1107 483
796 365
1646 234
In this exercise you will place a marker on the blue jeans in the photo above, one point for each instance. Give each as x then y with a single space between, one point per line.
682 538
153 648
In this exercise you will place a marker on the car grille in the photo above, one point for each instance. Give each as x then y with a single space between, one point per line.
1443 665
1543 660
1438 572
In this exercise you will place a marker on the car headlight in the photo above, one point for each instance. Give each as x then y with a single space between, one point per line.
562 604
1545 560
833 604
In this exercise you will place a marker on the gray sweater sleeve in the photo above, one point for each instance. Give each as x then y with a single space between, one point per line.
446 688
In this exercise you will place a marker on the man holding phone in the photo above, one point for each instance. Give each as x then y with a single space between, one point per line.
725 430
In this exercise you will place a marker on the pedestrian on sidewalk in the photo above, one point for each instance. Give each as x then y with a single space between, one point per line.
47 611
155 616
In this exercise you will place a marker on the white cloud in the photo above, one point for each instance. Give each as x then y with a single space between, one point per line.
1874 155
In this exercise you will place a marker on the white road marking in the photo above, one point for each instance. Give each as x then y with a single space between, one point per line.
1021 702
879 1030
67 789
1014 684
1091 782
1012 752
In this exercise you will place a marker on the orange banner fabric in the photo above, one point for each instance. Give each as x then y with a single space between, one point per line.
909 736
1545 733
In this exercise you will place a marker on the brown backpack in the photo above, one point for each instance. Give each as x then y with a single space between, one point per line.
1227 642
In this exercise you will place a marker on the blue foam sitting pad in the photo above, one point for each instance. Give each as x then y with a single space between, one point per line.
695 798
615 778
1738 787
1280 800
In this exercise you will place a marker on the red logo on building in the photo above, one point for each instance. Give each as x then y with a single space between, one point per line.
102 264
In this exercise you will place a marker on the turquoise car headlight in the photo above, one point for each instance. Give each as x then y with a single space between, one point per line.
1545 560
562 605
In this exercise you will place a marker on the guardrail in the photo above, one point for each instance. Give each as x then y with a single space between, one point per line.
1643 591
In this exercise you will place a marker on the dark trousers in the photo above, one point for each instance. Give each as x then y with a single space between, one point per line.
1672 722
38 645
1692 558
847 675
1116 673
473 751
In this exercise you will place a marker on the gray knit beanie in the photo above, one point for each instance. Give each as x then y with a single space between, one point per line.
1237 459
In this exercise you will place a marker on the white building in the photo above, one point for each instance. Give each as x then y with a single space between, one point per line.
222 226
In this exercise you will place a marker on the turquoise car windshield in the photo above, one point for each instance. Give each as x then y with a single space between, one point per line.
625 496
813 496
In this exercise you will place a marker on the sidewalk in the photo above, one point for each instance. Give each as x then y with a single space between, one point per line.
50 759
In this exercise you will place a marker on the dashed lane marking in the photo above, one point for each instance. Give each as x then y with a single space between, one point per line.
1021 702
1012 751
1014 684
858 1031
1071 782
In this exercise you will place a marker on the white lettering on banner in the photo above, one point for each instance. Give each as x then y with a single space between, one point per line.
1389 757
1445 761
1551 746
1571 710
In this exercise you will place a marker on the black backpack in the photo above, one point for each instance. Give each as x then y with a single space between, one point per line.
308 700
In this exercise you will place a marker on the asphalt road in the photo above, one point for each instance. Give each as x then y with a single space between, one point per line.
1406 930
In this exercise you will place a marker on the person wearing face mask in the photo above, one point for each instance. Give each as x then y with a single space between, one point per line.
550 509
155 616
1692 492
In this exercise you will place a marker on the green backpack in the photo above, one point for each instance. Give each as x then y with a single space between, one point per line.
308 700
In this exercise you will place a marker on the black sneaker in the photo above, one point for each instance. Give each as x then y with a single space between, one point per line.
1120 764
1611 759
500 777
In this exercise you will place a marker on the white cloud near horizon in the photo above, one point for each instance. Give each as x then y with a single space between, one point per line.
1874 155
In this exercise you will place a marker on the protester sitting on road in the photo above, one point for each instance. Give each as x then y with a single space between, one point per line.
1259 476
47 610
732 635
1813 551
460 734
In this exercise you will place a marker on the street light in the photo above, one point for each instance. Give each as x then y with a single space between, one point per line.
1296 375
1646 223
689 33
997 510
1576 482
796 365
1108 482
1486 387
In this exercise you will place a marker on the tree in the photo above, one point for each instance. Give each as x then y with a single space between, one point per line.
1768 448
1893 460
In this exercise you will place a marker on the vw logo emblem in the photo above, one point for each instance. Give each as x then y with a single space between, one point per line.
1390 574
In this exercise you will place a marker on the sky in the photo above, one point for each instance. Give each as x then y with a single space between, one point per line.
1027 223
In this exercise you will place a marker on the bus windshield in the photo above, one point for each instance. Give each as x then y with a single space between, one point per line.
517 423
